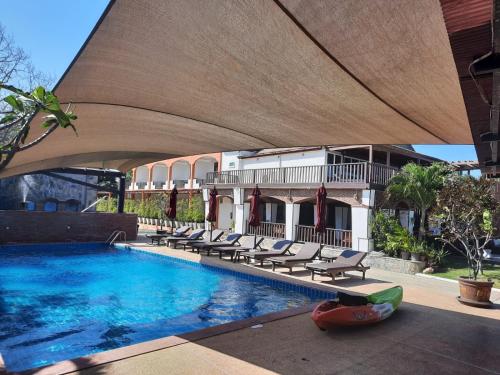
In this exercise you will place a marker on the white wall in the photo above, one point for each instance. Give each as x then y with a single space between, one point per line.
225 214
180 171
141 174
160 172
296 159
230 160
292 213
202 167
360 228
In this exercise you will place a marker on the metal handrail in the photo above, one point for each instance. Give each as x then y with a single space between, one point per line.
113 236
93 204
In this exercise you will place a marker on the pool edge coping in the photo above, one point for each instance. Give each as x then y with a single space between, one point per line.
118 354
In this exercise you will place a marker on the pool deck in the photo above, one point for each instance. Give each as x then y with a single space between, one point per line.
430 333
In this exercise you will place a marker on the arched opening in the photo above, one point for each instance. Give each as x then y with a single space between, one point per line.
272 210
29 206
159 176
51 205
181 172
203 166
72 205
141 177
338 223
272 218
405 215
338 214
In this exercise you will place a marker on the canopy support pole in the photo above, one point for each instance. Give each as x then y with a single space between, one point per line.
121 194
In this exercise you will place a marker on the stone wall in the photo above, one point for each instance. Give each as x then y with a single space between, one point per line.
39 226
39 188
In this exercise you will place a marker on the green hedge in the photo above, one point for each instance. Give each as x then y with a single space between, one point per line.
154 207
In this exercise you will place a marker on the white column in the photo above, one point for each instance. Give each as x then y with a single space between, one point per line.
360 221
206 195
241 211
292 212
360 228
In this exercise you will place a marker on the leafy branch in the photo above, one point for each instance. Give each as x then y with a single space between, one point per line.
21 108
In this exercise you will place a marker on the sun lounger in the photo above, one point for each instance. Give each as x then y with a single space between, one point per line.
307 253
280 248
179 232
348 260
230 240
195 235
246 244
216 235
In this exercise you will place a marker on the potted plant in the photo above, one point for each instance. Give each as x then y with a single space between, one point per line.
466 206
399 242
417 250
435 257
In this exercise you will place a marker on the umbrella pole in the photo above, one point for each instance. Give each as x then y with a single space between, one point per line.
254 239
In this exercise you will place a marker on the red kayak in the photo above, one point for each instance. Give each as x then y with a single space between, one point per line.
350 310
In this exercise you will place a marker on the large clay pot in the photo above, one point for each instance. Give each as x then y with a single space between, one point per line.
405 255
475 292
415 257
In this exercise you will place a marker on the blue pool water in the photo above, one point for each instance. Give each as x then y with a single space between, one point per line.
60 302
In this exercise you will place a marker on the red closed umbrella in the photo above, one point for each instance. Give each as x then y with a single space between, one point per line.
254 219
212 209
320 210
172 206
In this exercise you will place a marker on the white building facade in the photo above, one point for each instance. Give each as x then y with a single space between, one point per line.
354 176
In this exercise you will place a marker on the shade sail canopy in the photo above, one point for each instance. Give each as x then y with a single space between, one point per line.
160 78
469 25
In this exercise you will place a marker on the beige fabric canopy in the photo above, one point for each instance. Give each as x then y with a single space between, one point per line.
161 78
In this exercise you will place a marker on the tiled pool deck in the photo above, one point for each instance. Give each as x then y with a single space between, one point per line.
431 333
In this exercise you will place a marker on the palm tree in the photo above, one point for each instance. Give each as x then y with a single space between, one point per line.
419 186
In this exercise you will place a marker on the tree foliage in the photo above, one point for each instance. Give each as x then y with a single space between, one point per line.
22 96
466 206
418 185
22 106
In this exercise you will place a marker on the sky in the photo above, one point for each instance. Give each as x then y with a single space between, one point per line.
52 32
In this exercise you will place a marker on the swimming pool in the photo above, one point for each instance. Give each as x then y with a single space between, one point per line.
60 302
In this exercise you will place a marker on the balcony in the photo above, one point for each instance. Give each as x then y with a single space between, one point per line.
267 229
331 237
336 175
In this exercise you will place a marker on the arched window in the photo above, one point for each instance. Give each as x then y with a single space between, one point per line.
50 205
72 205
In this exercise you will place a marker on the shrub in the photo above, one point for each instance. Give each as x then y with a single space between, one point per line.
381 227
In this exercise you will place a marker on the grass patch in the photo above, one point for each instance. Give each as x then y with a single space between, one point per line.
455 266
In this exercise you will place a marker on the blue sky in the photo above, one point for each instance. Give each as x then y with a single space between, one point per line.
53 31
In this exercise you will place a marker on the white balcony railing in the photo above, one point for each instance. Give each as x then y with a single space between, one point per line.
352 173
180 184
332 237
267 229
